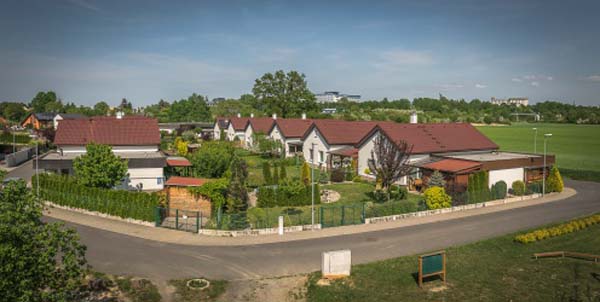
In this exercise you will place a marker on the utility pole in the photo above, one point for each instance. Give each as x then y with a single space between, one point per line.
535 141
312 184
546 136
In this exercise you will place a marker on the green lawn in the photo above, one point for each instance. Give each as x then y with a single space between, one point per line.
351 192
497 269
576 146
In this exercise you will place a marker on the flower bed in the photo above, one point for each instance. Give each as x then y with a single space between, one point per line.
561 229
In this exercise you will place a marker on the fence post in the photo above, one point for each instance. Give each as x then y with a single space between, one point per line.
157 217
363 215
177 219
197 221
343 215
321 217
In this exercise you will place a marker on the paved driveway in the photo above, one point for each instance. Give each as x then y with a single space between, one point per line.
120 254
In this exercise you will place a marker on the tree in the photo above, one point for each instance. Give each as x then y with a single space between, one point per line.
212 159
237 193
12 111
436 198
181 146
389 160
436 180
99 167
554 182
46 102
305 174
40 261
101 108
282 172
266 170
192 109
275 174
284 94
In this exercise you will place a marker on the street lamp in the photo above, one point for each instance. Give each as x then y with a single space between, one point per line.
312 184
546 136
535 141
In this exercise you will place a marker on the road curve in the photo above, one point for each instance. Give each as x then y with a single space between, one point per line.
121 254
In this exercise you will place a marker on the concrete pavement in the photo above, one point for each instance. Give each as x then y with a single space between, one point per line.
122 254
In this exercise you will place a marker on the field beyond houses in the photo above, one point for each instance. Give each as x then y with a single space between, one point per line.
576 146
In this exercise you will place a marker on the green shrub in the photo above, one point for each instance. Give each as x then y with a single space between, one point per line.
289 194
534 187
518 188
478 190
338 175
561 229
554 182
436 198
357 178
499 190
7 137
402 192
391 208
65 191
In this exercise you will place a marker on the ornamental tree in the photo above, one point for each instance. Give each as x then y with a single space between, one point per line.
212 159
389 160
436 180
99 167
436 198
554 182
40 261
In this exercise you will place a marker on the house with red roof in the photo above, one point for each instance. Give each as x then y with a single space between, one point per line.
132 138
236 129
256 126
325 138
290 132
221 125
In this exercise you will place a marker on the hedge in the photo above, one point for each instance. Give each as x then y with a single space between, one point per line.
7 137
286 195
65 191
561 229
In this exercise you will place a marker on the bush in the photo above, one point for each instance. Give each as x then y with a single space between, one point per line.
534 187
323 177
357 178
337 175
518 188
402 192
561 229
436 198
499 190
291 194
65 191
212 159
554 182
478 190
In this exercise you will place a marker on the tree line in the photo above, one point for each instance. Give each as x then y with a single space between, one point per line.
287 95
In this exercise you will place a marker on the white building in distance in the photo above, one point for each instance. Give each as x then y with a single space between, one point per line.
335 96
511 101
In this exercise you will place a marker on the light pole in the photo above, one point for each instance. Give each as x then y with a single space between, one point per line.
14 142
535 140
312 184
546 136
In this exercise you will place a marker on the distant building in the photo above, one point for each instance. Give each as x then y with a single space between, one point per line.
511 101
329 110
215 101
335 96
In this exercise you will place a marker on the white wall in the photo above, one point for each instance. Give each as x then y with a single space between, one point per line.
57 119
151 178
508 175
216 131
320 145
231 134
248 139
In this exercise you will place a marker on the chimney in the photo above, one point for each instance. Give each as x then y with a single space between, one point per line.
252 115
414 119
303 116
239 115
120 114
274 116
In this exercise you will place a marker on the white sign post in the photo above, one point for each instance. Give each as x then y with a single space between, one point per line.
336 263
280 225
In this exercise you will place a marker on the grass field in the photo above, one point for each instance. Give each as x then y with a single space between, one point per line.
497 269
576 146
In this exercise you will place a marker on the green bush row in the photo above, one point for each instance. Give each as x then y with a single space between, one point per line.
7 137
561 229
286 195
65 191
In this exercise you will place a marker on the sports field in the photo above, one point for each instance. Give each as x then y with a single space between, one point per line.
577 147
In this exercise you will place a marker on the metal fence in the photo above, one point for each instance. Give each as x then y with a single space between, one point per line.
190 221
332 216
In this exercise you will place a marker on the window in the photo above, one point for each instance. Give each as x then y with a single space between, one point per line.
312 156
159 181
321 156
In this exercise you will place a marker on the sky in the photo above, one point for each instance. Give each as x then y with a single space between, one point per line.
88 51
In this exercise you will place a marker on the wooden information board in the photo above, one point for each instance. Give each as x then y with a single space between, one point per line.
432 264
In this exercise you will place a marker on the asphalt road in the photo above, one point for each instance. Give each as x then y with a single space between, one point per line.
120 254
25 171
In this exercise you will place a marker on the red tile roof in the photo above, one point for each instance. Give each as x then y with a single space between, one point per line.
238 123
292 127
261 124
337 132
181 181
452 165
178 162
438 138
129 130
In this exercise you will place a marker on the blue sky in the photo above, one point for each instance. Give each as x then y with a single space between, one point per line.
89 51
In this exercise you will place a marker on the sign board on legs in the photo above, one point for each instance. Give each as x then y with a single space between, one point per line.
432 264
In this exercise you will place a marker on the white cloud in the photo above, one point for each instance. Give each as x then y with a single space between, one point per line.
549 78
533 79
480 86
535 84
451 86
593 78
406 57
517 80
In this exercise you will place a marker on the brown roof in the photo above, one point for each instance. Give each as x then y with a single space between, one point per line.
261 124
292 127
238 123
129 130
185 181
223 122
437 138
178 162
338 132
452 165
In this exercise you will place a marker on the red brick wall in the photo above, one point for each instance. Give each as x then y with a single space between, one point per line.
181 198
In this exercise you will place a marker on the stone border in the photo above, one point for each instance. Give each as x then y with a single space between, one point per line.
258 232
454 209
103 215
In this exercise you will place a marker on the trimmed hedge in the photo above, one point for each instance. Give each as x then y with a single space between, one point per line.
518 188
499 190
65 191
286 195
7 137
561 229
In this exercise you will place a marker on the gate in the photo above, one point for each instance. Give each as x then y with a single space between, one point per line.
184 220
332 216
